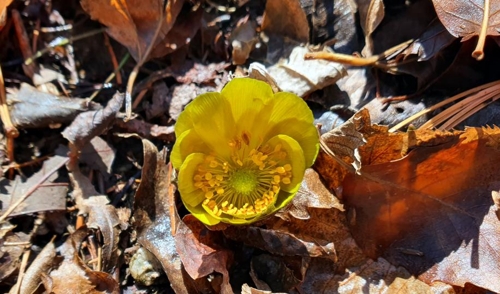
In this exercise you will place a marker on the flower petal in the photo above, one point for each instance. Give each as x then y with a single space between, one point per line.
291 116
209 115
189 193
249 100
295 155
303 132
188 142
200 213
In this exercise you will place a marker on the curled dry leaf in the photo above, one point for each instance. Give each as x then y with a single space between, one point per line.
31 108
286 18
153 222
302 77
371 13
330 238
133 22
431 211
199 252
101 216
89 124
41 265
73 276
313 194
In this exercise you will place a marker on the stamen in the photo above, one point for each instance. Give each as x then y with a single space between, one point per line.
248 184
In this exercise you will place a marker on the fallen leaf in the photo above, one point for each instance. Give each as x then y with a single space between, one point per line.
302 77
103 217
272 273
431 211
371 13
73 276
286 18
39 200
10 256
154 226
243 39
464 18
133 23
200 253
430 43
30 108
147 130
372 277
312 194
99 155
89 124
245 289
40 266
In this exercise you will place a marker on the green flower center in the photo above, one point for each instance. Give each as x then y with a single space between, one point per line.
245 186
244 181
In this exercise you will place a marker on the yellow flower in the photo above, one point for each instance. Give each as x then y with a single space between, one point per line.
242 153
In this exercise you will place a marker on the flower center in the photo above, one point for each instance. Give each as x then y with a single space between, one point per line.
244 181
246 185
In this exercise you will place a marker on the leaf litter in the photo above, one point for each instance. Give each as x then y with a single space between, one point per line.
96 204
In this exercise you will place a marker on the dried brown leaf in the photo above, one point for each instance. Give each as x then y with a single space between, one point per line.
73 276
286 18
431 211
103 217
10 256
200 253
31 108
371 13
313 194
41 265
243 39
371 277
99 155
89 124
431 42
302 77
153 222
464 18
39 200
134 22
276 273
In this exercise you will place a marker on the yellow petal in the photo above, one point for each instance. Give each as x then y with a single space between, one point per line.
201 214
249 100
189 193
209 115
295 157
291 116
283 199
303 132
185 144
